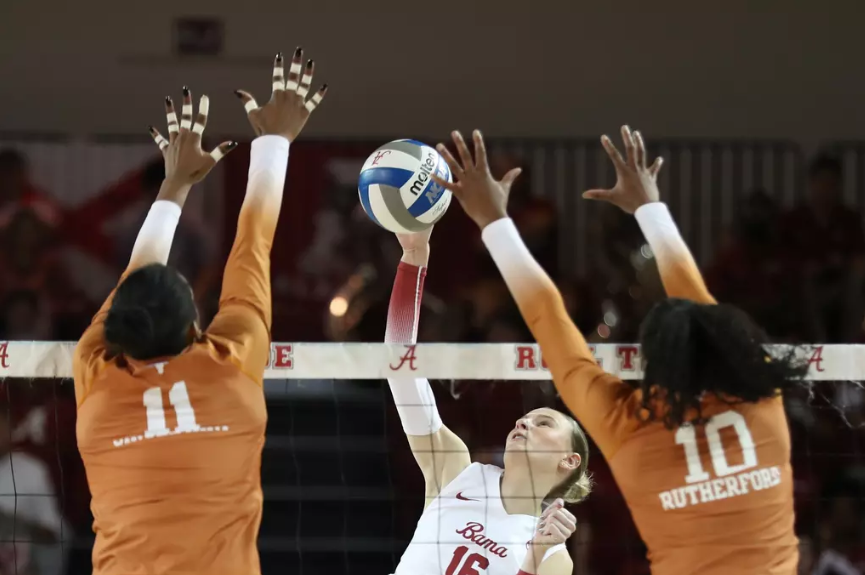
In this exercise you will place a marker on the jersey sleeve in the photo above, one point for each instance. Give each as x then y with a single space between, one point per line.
152 246
413 396
403 313
245 312
679 272
600 401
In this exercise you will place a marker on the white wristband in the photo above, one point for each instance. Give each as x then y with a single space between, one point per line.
661 231
157 232
268 153
416 406
268 163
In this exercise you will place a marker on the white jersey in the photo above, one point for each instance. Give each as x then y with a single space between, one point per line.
467 530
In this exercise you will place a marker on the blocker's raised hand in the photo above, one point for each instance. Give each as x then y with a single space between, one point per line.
185 162
636 183
288 109
483 198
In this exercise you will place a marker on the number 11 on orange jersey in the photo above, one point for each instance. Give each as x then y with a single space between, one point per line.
155 409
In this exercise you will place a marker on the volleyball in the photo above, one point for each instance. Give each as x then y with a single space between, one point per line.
396 190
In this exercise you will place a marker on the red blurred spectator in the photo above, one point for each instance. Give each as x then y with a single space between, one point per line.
827 240
752 271
30 261
18 192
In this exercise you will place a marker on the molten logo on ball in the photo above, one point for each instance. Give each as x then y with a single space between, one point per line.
396 189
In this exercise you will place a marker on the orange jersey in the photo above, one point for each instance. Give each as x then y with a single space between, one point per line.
708 499
172 448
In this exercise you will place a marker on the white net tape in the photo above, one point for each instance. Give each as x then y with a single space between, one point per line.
434 361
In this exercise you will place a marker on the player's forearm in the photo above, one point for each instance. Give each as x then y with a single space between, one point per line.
268 164
679 271
247 272
532 561
563 346
403 313
413 397
153 243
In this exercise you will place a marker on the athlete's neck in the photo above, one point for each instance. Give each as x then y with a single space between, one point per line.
522 494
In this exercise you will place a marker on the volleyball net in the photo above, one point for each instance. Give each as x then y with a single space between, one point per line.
342 491
494 361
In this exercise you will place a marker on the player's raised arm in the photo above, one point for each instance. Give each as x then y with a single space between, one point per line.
245 313
440 454
185 165
636 192
598 399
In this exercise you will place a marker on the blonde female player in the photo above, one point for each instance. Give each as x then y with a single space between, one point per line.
481 519
704 504
170 420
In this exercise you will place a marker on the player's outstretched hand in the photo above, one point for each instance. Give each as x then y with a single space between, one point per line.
484 199
636 183
288 109
185 162
556 524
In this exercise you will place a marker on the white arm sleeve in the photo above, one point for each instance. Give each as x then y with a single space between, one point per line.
661 232
153 243
413 397
679 271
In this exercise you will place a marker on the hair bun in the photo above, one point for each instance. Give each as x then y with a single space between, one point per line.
128 324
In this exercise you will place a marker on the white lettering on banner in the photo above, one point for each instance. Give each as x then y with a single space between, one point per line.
721 488
507 361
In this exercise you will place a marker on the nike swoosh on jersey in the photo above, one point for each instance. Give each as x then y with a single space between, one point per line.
462 498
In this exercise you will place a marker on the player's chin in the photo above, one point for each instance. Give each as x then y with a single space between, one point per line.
516 445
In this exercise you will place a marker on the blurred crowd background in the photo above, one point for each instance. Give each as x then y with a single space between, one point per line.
754 112
792 258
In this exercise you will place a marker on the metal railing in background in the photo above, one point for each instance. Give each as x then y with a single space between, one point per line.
703 181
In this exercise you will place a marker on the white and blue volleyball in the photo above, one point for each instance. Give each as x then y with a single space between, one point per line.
396 190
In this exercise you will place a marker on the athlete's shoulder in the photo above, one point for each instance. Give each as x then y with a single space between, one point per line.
120 375
482 470
488 468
